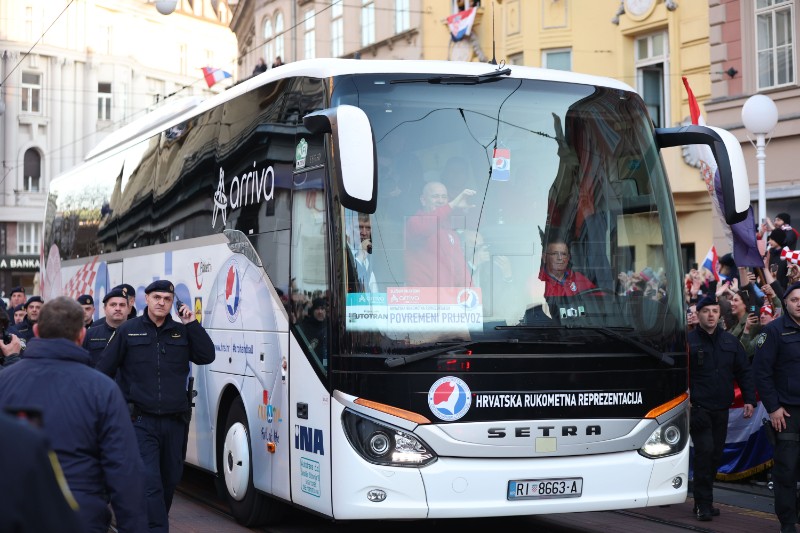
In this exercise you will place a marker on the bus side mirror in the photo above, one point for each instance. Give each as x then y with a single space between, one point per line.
355 160
730 164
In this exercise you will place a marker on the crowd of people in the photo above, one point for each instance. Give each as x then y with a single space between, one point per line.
103 405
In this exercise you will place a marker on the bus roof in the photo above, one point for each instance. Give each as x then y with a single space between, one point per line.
183 110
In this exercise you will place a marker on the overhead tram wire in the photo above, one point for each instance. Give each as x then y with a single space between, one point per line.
26 54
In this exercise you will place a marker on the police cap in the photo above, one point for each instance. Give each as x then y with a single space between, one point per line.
33 299
793 286
85 299
705 301
117 292
16 289
129 290
20 307
161 285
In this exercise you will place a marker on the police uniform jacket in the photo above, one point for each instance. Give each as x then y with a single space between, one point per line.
96 340
777 363
714 361
89 427
152 362
23 330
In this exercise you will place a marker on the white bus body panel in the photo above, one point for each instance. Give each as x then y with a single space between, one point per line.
310 437
454 487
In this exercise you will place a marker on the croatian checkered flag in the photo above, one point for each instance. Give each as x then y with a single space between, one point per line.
793 256
83 280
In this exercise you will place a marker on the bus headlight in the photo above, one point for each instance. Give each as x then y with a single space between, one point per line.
383 444
668 439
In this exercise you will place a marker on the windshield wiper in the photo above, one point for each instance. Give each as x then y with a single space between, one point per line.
392 362
608 332
459 79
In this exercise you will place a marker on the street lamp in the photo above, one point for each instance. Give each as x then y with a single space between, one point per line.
760 116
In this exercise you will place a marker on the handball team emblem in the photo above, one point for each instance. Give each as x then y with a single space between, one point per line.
468 298
232 291
449 398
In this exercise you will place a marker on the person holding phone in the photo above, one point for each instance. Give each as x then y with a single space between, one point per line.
150 357
746 323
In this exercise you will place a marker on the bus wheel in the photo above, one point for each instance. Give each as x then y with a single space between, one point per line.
249 507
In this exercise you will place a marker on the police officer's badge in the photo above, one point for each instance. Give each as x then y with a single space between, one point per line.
761 339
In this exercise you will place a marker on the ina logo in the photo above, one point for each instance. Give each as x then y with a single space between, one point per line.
309 439
220 201
468 298
232 291
449 398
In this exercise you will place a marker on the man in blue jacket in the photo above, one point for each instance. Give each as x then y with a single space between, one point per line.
85 417
150 357
115 307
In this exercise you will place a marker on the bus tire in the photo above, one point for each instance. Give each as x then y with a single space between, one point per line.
248 506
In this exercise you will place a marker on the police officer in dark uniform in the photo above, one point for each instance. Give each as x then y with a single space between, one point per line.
715 358
24 330
777 371
87 302
150 355
115 307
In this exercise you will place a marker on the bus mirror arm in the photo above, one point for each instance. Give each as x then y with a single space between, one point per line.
730 163
354 165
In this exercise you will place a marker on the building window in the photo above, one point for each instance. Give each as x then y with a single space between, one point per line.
269 43
558 59
402 16
279 51
183 59
310 35
31 170
28 238
652 73
774 43
337 29
31 92
516 59
103 101
367 22
156 89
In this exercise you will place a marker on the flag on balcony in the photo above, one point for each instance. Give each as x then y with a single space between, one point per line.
742 234
213 75
460 23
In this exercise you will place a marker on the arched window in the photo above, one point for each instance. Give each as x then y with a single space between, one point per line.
279 50
269 43
32 170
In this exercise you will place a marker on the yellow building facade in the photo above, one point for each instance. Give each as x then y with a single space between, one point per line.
649 44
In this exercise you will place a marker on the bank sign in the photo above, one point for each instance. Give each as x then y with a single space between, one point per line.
19 262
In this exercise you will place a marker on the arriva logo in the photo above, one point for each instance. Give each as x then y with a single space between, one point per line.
245 190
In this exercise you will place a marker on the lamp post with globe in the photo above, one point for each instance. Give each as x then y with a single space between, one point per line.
760 116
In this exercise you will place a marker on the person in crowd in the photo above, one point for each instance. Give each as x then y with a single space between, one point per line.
315 328
10 345
87 302
150 356
766 314
85 417
115 308
131 292
558 276
782 221
24 330
745 325
31 477
716 358
19 314
776 368
16 297
278 62
261 66
777 266
435 256
691 317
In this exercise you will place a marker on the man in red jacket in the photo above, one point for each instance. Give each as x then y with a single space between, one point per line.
559 279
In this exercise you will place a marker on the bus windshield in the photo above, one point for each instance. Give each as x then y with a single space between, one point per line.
508 211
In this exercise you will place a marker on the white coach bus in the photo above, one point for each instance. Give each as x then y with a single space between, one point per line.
453 374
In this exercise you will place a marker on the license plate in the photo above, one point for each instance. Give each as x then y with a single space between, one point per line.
530 489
